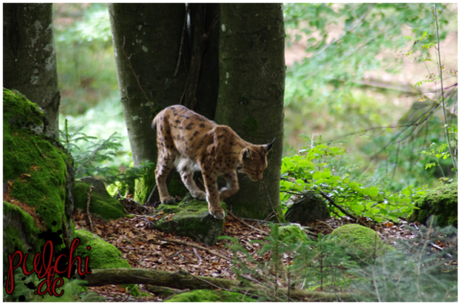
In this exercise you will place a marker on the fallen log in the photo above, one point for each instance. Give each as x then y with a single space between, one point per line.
184 280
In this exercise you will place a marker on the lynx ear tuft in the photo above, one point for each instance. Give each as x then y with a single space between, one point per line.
268 146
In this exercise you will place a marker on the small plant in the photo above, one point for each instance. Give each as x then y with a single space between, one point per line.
91 156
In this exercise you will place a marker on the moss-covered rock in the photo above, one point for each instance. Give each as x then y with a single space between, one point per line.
190 218
20 232
359 242
294 232
34 176
441 202
102 255
102 205
308 208
205 295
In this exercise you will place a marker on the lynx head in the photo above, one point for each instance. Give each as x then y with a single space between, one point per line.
254 160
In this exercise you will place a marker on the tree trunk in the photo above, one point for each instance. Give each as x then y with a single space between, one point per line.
183 280
29 56
151 50
147 44
251 91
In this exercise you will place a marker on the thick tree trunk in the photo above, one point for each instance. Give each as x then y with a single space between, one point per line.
29 56
151 51
147 44
251 91
183 280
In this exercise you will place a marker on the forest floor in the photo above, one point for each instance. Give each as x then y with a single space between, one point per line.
146 248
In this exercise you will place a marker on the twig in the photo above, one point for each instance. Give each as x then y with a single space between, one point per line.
87 208
271 203
442 90
341 209
199 258
196 246
246 224
36 146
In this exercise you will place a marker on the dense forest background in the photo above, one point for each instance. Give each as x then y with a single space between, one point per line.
360 77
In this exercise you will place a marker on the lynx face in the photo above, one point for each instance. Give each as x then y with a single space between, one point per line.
255 161
191 142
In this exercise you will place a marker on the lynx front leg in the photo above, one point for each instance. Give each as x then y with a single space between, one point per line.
212 195
232 185
187 179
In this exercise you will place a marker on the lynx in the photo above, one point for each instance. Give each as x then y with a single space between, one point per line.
191 142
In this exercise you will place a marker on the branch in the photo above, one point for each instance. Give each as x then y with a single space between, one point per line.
442 90
87 208
196 246
183 280
355 218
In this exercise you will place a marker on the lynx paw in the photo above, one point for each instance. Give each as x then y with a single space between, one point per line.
168 200
199 195
217 214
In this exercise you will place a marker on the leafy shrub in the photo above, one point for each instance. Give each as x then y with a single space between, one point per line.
319 168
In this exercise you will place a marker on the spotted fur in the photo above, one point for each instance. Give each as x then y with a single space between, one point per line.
191 142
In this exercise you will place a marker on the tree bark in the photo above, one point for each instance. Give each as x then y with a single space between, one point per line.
183 280
251 92
147 45
29 56
207 85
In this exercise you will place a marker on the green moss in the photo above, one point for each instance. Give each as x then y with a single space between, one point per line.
359 242
295 232
102 255
191 219
19 111
34 169
105 207
441 202
144 186
19 233
205 295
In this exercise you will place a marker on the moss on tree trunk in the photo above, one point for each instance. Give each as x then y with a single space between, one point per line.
29 56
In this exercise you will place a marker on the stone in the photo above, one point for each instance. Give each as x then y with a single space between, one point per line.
442 203
294 231
360 242
190 218
35 173
310 207
102 255
102 205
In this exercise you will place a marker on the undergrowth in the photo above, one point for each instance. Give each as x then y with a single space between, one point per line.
325 169
416 269
93 157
